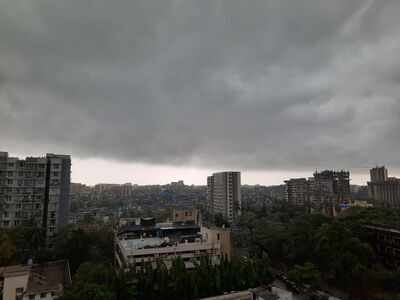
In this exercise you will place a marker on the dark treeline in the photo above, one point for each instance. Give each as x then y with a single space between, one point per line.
19 244
103 282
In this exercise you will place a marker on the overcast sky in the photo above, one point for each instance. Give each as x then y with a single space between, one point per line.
157 90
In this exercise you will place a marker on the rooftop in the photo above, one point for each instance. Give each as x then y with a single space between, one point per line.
51 276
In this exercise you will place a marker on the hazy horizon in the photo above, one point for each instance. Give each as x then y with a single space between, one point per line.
95 171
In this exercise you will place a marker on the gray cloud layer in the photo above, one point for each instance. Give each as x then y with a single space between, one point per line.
264 84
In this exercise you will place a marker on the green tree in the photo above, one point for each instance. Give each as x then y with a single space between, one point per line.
305 274
7 249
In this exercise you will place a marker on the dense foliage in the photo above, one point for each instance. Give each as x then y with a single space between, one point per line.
77 245
311 249
204 280
98 281
314 248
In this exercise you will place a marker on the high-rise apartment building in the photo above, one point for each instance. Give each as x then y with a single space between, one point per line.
297 191
223 195
384 190
331 185
35 190
379 174
324 189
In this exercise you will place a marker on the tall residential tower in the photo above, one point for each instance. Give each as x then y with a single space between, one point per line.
384 190
35 191
223 195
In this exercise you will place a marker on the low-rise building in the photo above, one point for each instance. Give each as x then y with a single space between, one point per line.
274 291
138 245
186 215
386 242
36 281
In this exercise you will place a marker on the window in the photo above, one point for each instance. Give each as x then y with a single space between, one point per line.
10 181
18 293
11 165
55 173
56 166
10 173
218 237
42 295
31 297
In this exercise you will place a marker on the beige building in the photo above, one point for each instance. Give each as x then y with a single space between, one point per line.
33 282
138 245
186 215
297 191
220 236
223 195
384 190
35 190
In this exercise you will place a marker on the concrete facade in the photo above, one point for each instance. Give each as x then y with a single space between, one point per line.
140 245
38 281
35 191
224 196
384 190
297 191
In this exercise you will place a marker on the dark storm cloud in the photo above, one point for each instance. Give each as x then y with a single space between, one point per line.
258 84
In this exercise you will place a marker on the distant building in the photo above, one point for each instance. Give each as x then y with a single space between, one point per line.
186 216
224 196
118 190
35 190
379 174
384 190
39 281
323 191
297 191
138 245
332 184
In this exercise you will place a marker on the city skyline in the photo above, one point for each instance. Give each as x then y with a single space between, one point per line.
96 170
